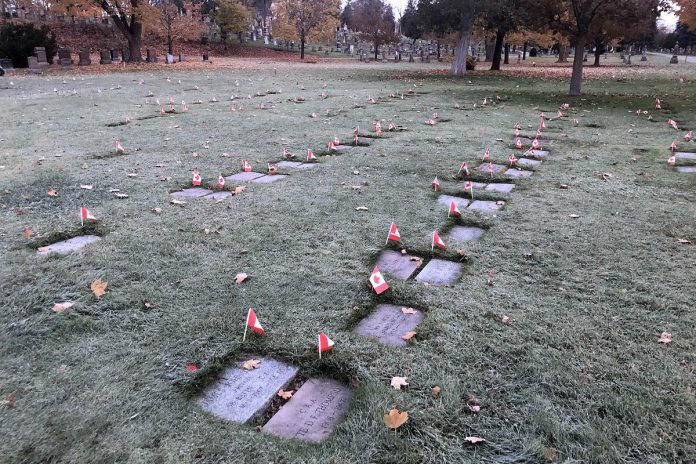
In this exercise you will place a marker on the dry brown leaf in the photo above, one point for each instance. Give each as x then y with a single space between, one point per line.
86 186
52 193
239 278
398 382
84 166
564 186
406 310
550 454
684 241
473 440
285 394
435 391
665 338
505 319
28 233
239 189
174 201
157 210
473 405
98 288
408 335
251 364
574 216
8 400
361 208
60 307
395 419
121 195
148 305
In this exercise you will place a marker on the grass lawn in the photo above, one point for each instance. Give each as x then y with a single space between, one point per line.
577 375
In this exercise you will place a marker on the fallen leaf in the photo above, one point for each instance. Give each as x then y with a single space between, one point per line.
62 369
148 305
251 364
8 400
550 454
239 278
84 166
192 368
684 241
398 382
98 288
408 335
406 310
574 216
505 319
28 233
157 210
86 186
473 440
44 249
564 186
665 338
395 419
285 394
174 201
120 195
239 189
52 193
361 208
60 307
435 391
473 405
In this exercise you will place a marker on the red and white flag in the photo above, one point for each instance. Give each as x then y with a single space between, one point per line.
310 155
518 144
435 115
392 127
355 139
393 233
575 122
513 160
119 147
286 152
658 104
196 178
464 168
453 210
331 146
171 100
673 146
486 155
517 126
379 285
437 241
336 141
85 215
542 124
517 133
185 107
221 182
673 123
246 167
356 131
559 115
535 144
689 135
162 112
252 323
538 134
672 160
325 343
470 187
430 122
435 184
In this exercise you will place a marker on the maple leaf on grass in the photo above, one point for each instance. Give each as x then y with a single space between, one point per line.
665 338
285 394
60 307
28 233
8 400
241 277
251 364
395 419
398 382
474 440
435 391
406 310
408 335
98 287
52 193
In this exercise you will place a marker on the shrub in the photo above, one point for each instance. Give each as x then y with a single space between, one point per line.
17 42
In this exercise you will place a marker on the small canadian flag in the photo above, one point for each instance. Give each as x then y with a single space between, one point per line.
392 126
325 343
464 168
86 215
286 152
673 146
512 160
435 115
437 241
673 123
535 144
379 285
430 122
162 112
559 115
336 141
310 155
378 126
470 187
393 233
356 131
355 139
196 178
658 104
542 124
435 184
486 154
518 126
119 147
184 107
246 167
171 100
517 133
575 122
331 146
253 323
538 134
672 160
518 144
689 135
453 210
221 182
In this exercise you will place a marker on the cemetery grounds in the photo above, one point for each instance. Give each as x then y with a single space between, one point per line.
552 330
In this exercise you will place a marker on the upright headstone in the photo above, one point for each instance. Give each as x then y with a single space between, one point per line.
205 57
151 57
105 57
33 63
410 57
64 57
182 58
114 56
85 60
126 54
674 60
169 58
40 54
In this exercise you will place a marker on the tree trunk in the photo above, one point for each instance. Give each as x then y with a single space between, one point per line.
498 50
524 52
597 54
462 50
490 48
507 54
135 42
576 78
562 53
376 50
302 42
170 44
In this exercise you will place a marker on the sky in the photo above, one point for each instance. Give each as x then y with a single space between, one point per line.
669 20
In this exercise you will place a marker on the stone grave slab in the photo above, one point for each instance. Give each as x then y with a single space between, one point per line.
397 265
218 196
542 142
685 156
312 412
68 246
686 168
440 272
500 188
528 162
289 164
485 206
194 192
518 173
475 185
388 323
536 154
465 234
270 179
447 199
497 168
245 176
240 395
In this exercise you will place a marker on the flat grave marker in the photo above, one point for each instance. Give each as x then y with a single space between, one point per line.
440 272
485 206
397 265
312 412
218 196
463 234
500 188
686 168
519 173
269 179
528 162
497 168
195 192
244 176
388 324
68 246
447 199
684 155
240 395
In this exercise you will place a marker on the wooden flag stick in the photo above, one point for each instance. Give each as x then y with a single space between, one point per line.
319 345
246 325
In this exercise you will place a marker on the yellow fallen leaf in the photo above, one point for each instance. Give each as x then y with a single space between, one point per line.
157 210
174 201
52 193
28 233
239 189
395 419
398 382
406 310
251 364
60 307
473 440
98 288
665 338
408 335
435 391
684 241
285 394
505 319
239 278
